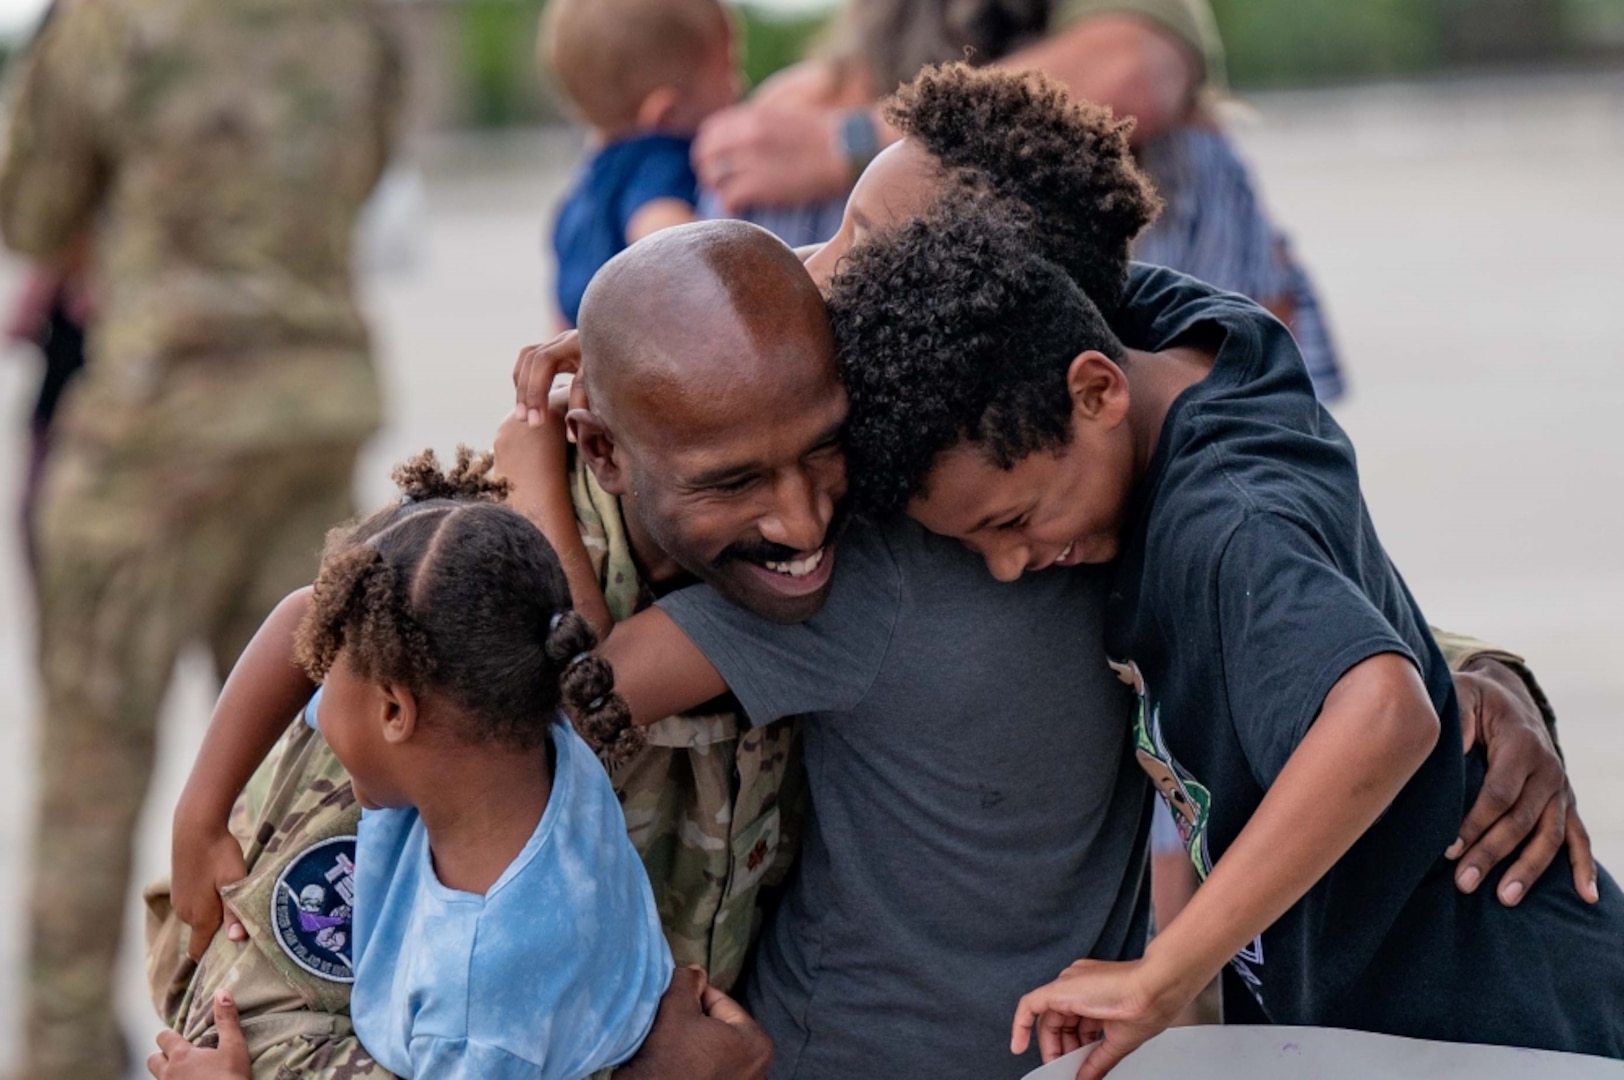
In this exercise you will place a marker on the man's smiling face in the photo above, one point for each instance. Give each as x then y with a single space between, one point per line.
715 412
740 482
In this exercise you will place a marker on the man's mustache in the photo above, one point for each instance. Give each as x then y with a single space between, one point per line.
765 551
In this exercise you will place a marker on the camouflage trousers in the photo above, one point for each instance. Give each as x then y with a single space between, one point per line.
140 555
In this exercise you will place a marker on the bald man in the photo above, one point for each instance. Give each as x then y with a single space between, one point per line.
696 338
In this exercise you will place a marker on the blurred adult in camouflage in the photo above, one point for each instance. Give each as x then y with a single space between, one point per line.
786 158
217 151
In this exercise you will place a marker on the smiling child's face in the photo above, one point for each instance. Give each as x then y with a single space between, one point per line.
1061 507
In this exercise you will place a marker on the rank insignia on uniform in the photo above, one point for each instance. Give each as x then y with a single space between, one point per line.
311 907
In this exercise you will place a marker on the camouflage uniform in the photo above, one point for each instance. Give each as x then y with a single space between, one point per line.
715 816
218 151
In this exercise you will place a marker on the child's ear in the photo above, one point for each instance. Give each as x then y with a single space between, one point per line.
399 713
659 109
1098 388
596 445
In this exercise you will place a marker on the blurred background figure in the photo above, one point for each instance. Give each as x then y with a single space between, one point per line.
217 154
787 157
49 314
642 75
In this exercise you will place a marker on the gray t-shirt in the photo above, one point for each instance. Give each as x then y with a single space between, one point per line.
978 817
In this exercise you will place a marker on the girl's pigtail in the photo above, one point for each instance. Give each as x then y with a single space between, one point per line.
360 598
469 479
586 683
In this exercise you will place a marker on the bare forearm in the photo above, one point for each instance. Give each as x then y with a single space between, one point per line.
1376 729
535 461
550 508
658 670
265 691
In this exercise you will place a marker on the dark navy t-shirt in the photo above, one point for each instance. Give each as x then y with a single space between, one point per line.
614 185
1250 581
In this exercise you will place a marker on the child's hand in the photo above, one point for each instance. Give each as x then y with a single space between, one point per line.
178 1059
535 370
532 459
1117 1003
204 861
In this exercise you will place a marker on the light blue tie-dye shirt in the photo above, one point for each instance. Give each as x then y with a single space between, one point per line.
553 974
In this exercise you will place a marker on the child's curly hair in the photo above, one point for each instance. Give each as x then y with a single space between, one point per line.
1021 136
450 591
954 328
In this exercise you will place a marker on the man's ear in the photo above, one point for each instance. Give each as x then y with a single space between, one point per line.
658 109
596 445
1098 388
399 713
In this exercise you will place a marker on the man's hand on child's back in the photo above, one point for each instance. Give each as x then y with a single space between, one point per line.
204 860
1525 796
700 1034
178 1059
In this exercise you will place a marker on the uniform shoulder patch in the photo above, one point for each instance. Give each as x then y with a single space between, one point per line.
311 907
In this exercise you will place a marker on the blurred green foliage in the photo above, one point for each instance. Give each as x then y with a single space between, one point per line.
772 40
496 56
1271 42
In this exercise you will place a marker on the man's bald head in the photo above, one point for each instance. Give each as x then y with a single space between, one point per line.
692 307
713 408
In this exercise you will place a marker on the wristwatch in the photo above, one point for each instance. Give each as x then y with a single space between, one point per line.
858 140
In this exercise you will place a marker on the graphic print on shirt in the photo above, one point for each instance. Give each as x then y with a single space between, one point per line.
311 908
1188 799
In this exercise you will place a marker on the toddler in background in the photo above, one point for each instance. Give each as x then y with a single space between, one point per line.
641 74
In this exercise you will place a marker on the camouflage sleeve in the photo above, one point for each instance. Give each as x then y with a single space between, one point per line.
1460 650
54 165
291 984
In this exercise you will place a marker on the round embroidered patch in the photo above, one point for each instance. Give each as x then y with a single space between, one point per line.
310 908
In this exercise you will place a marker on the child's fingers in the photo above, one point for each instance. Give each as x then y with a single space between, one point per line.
235 931
169 1042
232 1043
204 925
1026 1013
1105 1056
156 1063
537 367
1057 1035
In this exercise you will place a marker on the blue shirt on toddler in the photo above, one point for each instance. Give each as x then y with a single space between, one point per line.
613 186
553 974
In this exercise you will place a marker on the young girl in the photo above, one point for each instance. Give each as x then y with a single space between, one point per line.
502 924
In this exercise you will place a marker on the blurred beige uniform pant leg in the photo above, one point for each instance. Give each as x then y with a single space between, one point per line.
140 554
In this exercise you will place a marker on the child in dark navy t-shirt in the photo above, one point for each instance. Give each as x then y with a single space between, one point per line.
1293 708
642 75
